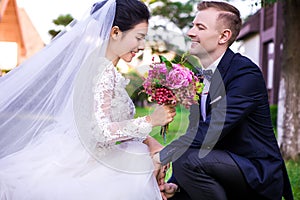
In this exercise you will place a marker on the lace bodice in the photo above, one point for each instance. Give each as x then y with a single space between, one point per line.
114 110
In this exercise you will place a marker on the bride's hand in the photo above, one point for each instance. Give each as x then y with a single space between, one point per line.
162 115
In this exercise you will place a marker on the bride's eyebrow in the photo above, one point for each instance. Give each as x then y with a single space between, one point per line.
142 34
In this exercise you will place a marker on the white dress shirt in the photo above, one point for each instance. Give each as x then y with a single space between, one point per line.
204 93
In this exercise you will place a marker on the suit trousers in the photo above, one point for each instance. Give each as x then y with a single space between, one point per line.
213 177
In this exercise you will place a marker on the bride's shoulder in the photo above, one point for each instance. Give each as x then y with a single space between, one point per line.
105 63
104 66
110 71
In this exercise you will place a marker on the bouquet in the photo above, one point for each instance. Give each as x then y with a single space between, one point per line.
171 82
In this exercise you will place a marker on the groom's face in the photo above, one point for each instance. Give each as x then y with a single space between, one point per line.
205 33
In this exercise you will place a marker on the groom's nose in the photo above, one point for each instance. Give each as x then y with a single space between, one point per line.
191 33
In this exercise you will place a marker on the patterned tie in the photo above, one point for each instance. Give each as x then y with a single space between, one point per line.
205 73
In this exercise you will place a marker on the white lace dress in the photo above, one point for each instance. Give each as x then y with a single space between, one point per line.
56 166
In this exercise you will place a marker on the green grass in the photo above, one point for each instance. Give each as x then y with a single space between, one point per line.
178 127
293 169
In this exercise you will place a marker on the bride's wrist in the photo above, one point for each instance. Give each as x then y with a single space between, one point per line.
156 157
149 119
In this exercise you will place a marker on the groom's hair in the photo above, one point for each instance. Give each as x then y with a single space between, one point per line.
229 16
130 13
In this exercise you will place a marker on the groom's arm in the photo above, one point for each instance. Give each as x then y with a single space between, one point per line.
244 89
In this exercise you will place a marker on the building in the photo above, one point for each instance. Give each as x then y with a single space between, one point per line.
18 38
261 40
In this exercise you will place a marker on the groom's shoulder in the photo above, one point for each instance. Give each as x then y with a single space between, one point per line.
242 60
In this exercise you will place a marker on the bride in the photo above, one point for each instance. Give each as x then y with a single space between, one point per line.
66 122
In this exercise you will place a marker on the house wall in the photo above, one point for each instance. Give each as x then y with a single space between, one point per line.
10 32
261 40
271 35
19 40
250 48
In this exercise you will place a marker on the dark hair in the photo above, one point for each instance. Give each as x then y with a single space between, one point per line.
128 13
230 16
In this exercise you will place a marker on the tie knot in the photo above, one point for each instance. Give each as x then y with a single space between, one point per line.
205 73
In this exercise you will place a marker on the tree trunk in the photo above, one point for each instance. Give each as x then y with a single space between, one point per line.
289 95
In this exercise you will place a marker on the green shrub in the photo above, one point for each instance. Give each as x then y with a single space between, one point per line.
273 110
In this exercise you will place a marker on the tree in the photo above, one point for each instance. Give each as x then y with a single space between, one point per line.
289 93
62 20
176 14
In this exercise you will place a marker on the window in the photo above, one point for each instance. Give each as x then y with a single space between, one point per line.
8 55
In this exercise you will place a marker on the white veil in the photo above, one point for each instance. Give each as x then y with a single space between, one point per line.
40 92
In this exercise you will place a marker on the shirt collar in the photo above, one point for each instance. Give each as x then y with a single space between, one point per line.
215 64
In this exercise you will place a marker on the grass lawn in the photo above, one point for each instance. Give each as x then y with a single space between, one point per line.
293 169
178 127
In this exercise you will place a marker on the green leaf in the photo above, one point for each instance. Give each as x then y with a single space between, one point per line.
184 61
190 67
165 60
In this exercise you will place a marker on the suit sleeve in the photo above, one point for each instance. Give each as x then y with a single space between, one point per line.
243 87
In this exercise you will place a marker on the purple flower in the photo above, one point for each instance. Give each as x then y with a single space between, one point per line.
160 68
178 79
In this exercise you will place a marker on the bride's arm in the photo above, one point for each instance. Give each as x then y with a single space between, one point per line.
108 130
111 131
153 144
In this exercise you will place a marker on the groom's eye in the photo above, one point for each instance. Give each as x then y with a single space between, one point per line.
200 27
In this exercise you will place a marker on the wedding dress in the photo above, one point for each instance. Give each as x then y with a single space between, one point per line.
66 122
57 166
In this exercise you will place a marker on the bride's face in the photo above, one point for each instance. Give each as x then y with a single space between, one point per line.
130 42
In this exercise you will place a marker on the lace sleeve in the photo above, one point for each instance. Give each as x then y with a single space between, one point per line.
110 130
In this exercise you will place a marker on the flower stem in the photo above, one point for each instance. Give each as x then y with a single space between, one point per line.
164 131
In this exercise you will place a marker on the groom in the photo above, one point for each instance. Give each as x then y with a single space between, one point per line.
229 150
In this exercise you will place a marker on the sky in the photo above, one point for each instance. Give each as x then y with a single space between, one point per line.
42 12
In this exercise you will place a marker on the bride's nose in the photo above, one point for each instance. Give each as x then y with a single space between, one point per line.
141 45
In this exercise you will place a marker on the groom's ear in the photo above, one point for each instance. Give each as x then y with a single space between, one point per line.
115 32
225 36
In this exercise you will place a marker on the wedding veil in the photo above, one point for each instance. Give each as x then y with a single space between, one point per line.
39 93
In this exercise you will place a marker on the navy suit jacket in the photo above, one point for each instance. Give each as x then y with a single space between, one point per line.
238 122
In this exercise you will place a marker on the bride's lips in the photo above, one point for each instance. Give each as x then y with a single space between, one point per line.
133 54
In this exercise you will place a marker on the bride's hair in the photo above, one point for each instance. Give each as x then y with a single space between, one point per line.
128 13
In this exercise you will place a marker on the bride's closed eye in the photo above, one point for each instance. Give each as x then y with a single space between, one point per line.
140 38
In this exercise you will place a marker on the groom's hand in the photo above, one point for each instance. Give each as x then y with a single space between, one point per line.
168 190
162 174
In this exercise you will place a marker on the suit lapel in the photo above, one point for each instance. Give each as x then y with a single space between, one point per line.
217 86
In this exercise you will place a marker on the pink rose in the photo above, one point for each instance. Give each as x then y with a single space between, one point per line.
179 77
